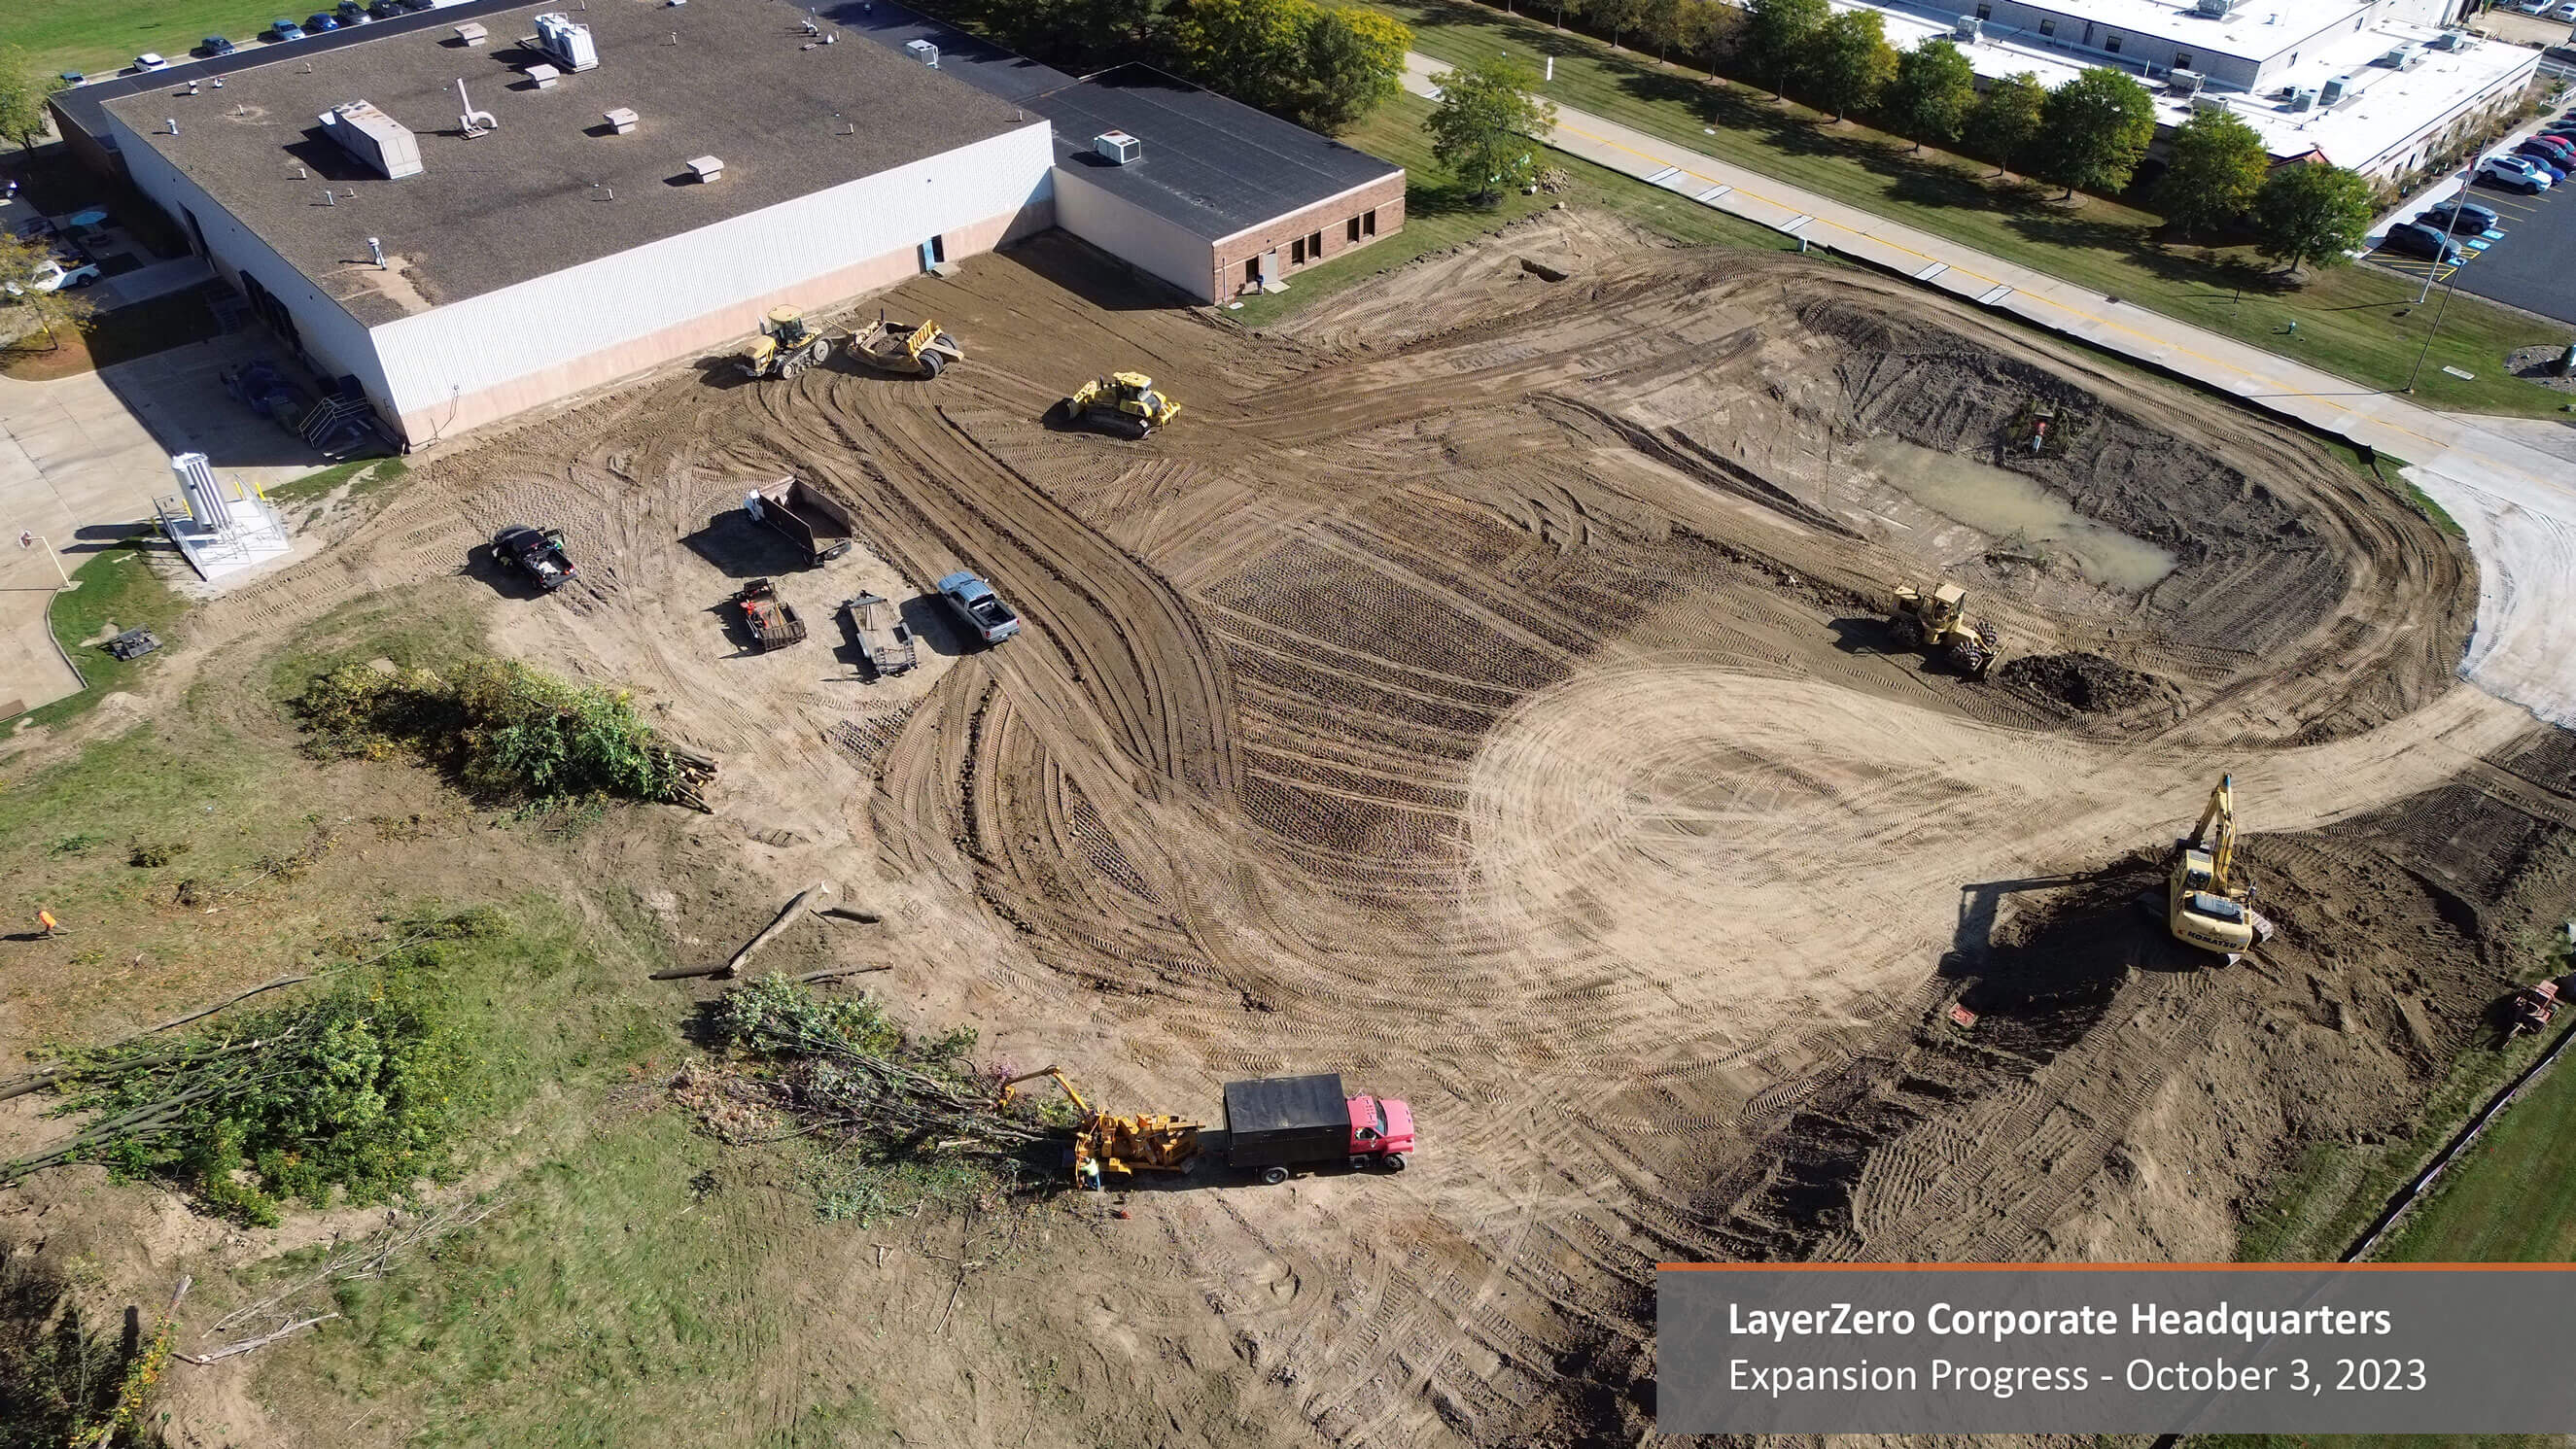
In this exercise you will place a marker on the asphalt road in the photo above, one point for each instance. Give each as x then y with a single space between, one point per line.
2525 262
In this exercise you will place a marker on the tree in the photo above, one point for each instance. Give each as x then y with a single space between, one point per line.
21 301
2310 213
1780 34
1354 64
1933 91
2098 127
2007 117
1253 50
1660 23
22 98
1616 16
1577 6
1854 62
1712 30
2219 163
1483 126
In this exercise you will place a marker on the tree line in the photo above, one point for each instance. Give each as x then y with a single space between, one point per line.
1320 64
2089 134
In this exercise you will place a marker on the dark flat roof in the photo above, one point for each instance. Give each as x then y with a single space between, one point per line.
1213 165
979 63
520 202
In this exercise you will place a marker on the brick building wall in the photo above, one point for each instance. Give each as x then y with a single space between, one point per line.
1318 233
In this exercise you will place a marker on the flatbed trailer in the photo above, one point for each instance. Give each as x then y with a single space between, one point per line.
883 635
807 515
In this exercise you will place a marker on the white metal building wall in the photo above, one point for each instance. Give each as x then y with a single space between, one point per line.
471 346
334 338
1135 236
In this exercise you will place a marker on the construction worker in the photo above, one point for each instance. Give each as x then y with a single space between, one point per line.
45 919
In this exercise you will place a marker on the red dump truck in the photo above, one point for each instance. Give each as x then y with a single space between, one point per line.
1274 1125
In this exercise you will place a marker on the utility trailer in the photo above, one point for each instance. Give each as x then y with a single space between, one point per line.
805 514
772 620
1275 1124
883 635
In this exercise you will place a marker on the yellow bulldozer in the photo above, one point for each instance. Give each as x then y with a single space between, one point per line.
1938 624
1122 404
786 345
2209 897
1117 1145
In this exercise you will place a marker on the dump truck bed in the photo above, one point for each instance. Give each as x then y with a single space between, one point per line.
808 516
1276 1121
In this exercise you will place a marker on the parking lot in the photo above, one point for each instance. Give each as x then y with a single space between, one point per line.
2523 261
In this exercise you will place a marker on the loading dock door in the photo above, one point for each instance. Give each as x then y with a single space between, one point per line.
1270 269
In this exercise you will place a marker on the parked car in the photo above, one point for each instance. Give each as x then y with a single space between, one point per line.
2559 150
149 60
2542 160
285 30
2414 239
385 10
983 610
2514 173
2462 218
213 46
351 12
2533 7
319 21
60 274
2565 12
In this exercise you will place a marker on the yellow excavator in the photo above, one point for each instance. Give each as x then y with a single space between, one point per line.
1120 1146
2209 900
1122 404
1938 624
786 346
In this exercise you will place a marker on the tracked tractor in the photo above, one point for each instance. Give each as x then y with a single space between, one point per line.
1122 404
2209 897
1938 624
904 349
786 345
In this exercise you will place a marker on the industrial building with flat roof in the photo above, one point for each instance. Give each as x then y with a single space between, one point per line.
464 219
2376 86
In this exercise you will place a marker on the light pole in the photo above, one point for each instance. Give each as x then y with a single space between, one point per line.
2447 228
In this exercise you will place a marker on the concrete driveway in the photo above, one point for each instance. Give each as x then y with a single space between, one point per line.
81 460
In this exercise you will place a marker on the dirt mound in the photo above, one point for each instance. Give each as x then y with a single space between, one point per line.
2081 681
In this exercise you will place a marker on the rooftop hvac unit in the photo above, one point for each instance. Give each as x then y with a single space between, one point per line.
375 138
923 51
567 43
2304 99
2216 9
1119 148
2447 40
2208 103
1968 29
2333 91
2395 59
2186 82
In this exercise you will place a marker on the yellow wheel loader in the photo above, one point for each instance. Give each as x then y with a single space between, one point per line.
2209 898
1119 1146
904 349
1122 404
1939 625
786 346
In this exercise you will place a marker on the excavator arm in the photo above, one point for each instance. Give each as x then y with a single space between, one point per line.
2216 833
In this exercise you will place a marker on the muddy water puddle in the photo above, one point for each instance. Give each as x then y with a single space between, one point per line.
2005 505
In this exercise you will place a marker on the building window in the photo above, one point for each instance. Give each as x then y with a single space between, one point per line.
2182 60
2111 43
1368 222
1315 246
2048 26
1351 231
1985 11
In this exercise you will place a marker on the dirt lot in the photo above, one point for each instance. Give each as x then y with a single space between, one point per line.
1481 692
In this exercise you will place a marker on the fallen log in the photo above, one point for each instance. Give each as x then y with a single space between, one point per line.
829 972
846 913
786 917
246 1345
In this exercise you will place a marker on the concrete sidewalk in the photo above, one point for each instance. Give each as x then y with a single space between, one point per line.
2517 502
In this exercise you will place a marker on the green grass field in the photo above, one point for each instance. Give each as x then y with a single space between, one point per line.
2356 321
102 37
1438 213
116 587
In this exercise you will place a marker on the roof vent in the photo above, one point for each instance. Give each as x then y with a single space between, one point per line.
375 138
568 42
472 33
621 120
473 122
1118 147
543 77
2333 90
707 168
923 51
2303 98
